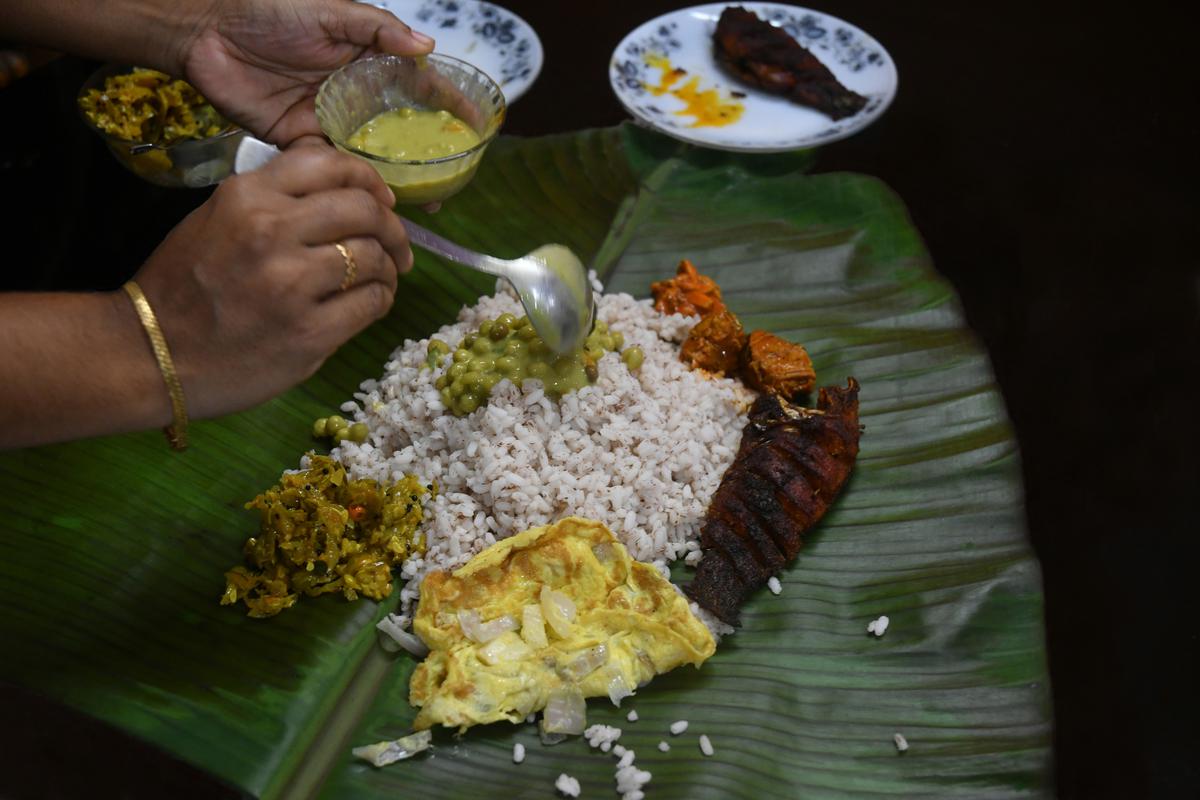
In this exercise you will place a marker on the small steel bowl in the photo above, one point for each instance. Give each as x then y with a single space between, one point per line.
187 163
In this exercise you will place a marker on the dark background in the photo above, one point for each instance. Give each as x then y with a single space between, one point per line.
1046 153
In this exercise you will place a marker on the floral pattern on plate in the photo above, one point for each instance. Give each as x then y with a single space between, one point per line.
769 123
492 38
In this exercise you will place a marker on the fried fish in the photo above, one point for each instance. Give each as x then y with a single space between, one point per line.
789 468
767 57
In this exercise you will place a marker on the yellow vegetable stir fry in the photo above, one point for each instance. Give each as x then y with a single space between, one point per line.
151 107
322 532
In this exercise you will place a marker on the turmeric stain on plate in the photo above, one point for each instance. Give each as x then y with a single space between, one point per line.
706 105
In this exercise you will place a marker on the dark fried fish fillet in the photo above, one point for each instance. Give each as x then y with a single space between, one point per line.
765 56
789 468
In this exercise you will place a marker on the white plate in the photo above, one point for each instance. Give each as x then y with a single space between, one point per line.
492 38
769 123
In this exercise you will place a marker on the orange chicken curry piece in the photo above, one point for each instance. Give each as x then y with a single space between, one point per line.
715 344
776 366
688 293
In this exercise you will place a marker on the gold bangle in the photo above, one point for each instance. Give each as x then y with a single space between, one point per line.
177 431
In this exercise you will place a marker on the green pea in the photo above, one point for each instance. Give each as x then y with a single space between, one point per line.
514 347
437 347
358 432
468 402
521 322
447 398
341 434
618 340
527 333
469 340
441 382
482 347
457 370
319 428
508 320
462 354
538 348
506 364
490 380
333 423
606 342
633 357
458 387
472 380
539 369
483 364
499 331
485 328
601 327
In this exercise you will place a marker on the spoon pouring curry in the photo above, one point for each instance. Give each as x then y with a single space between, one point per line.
551 282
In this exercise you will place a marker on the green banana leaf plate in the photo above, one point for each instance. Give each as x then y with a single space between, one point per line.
115 547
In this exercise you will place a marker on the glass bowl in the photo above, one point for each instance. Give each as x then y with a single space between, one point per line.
190 163
363 89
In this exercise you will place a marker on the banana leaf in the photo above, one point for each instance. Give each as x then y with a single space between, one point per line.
116 547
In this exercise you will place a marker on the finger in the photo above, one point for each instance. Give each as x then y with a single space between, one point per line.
438 91
344 213
432 208
306 170
365 261
343 314
371 27
311 140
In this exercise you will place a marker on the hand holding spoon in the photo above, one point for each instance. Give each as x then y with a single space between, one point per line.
551 282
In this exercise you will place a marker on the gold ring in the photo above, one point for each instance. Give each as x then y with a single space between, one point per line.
351 265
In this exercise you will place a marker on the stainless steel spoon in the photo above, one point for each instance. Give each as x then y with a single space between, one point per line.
551 282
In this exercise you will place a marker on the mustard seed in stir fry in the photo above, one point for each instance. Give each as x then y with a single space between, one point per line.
322 532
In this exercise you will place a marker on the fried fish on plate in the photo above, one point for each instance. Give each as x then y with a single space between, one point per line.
768 58
791 465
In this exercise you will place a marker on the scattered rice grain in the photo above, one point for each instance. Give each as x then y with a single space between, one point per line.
567 785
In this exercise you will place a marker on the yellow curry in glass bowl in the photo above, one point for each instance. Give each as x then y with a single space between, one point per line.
423 123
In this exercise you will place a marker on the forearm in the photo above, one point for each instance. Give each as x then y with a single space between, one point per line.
73 366
152 33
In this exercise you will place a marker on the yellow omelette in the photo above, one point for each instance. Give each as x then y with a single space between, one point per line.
551 609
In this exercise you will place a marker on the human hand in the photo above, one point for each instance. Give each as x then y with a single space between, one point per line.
261 63
247 287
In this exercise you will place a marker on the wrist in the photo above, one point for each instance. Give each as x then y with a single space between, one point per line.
148 400
168 30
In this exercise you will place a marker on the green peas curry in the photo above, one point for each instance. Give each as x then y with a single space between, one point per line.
509 347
